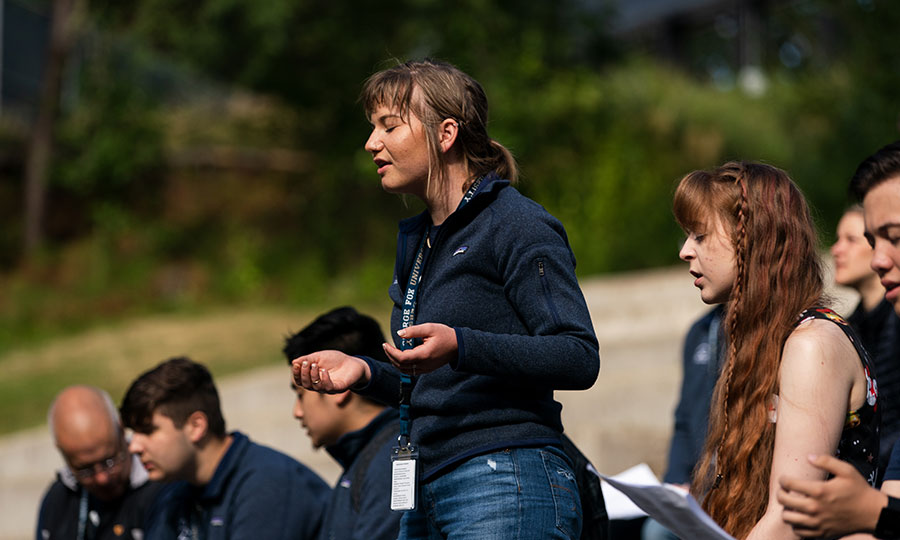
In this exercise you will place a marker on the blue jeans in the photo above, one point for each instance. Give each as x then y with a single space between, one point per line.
515 494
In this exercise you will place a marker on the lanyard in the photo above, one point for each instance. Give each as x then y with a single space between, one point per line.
82 514
408 319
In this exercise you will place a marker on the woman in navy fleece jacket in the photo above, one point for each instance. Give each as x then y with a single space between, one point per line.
486 299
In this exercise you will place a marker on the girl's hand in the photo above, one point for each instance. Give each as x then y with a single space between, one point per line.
438 348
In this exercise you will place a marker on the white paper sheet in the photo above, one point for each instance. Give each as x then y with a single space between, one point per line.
672 506
618 505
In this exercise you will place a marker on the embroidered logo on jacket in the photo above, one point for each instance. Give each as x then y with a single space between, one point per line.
460 250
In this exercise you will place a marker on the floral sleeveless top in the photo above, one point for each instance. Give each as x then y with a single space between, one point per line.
858 445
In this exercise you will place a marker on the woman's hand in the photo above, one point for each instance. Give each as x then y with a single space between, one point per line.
329 372
438 348
844 504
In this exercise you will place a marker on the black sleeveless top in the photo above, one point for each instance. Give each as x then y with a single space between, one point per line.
858 445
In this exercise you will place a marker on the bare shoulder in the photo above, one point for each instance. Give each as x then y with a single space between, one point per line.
816 345
817 335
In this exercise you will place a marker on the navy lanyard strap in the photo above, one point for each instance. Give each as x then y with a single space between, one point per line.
408 318
82 514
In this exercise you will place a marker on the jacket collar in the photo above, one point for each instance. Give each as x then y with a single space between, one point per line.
217 486
490 185
349 445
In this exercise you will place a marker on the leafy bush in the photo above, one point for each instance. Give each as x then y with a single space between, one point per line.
238 177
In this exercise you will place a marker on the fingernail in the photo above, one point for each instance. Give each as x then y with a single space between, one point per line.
401 332
313 366
305 363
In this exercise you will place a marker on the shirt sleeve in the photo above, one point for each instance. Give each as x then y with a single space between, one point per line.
681 459
893 467
560 349
384 384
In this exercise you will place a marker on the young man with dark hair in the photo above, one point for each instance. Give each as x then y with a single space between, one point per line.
877 184
845 503
102 492
224 486
357 432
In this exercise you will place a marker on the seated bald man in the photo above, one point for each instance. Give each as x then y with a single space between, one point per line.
103 491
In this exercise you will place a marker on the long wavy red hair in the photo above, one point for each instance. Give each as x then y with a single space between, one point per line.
777 276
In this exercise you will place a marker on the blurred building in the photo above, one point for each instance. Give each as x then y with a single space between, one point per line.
733 42
24 32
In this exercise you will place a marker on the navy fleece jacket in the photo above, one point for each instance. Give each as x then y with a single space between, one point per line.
373 519
256 492
701 361
501 273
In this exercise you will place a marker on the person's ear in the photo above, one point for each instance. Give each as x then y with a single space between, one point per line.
344 398
196 426
448 131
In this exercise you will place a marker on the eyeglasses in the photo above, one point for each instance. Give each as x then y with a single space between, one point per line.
104 465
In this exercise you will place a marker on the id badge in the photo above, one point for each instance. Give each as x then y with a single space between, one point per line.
404 461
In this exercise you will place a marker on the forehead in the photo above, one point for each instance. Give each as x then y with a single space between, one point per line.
402 102
882 205
80 437
707 222
383 112
851 222
161 422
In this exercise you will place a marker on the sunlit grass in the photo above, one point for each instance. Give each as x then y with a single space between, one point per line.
112 355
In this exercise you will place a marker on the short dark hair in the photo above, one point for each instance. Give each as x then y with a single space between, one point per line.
342 329
176 388
875 169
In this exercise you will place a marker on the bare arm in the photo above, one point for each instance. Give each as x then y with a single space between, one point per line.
820 376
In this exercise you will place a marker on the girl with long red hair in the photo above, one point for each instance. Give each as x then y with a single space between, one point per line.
796 381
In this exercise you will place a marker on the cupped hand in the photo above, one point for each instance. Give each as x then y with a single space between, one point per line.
329 372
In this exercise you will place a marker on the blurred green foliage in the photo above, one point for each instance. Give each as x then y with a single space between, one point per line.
211 152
